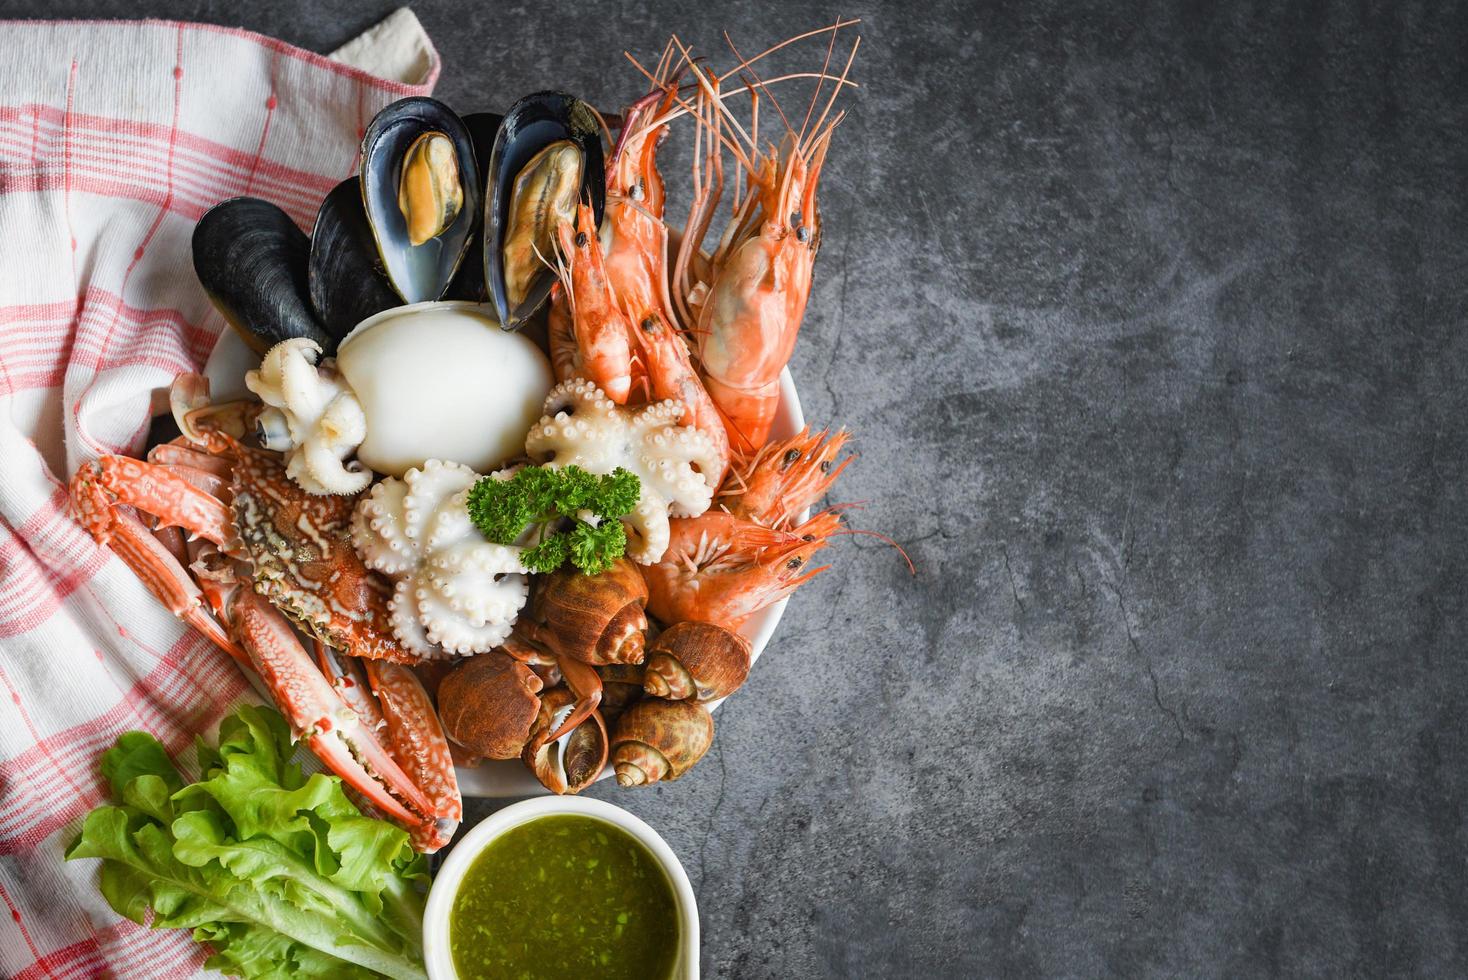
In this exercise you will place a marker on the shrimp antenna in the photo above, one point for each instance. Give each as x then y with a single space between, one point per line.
562 271
791 40
744 65
911 568
825 66
837 90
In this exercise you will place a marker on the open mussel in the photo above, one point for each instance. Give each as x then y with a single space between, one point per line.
345 276
547 156
421 192
251 260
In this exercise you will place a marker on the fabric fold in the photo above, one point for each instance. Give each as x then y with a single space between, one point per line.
114 138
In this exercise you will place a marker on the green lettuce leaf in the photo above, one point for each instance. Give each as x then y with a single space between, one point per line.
279 872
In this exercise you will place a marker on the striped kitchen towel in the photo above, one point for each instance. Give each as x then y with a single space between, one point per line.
114 138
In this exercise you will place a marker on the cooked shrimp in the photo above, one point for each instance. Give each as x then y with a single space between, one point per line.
721 569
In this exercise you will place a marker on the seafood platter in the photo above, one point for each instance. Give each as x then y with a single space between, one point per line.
517 482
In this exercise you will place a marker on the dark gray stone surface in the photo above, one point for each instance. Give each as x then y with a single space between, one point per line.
1150 324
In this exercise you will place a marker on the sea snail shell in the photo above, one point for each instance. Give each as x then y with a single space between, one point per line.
488 704
696 661
597 619
658 741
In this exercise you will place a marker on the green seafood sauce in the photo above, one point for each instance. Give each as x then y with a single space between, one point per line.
564 896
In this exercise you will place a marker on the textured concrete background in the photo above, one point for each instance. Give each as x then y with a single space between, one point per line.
1150 326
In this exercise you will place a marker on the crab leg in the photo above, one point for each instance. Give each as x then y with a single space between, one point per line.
100 485
391 700
417 741
525 645
172 454
585 683
351 685
319 717
152 562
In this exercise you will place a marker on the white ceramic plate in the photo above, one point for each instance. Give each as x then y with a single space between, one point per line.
226 369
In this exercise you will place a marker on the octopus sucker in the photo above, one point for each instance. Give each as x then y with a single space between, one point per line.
455 593
583 427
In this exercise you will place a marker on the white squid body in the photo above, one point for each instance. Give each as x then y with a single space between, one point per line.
314 415
455 592
583 427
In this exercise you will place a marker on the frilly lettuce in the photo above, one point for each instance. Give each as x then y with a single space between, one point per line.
280 873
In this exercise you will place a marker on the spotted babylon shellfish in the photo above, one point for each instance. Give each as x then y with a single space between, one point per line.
455 593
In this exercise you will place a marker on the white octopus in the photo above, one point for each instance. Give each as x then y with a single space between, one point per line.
583 427
312 416
455 592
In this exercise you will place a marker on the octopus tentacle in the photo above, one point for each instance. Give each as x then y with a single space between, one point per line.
455 592
676 464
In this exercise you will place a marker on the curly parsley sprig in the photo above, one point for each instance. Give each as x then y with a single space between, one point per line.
546 498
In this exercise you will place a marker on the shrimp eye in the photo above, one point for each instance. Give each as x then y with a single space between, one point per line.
826 466
802 234
807 537
649 325
581 239
637 193
791 457
793 563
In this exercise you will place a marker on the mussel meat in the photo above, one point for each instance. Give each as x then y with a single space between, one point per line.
658 741
572 762
251 260
420 188
696 661
547 156
430 194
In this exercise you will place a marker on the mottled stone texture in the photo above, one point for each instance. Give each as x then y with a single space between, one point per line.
1149 323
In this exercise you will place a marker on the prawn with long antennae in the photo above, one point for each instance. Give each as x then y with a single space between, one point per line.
590 335
636 263
746 314
719 568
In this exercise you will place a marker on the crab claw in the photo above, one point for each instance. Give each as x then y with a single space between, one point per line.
319 717
571 762
417 741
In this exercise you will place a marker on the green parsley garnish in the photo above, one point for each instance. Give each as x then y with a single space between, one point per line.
546 499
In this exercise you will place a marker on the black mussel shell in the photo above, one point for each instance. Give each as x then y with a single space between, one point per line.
346 280
251 259
531 125
417 272
469 283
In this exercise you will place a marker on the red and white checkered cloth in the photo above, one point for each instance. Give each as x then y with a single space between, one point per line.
114 138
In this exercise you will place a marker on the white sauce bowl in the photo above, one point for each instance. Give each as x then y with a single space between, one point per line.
436 949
